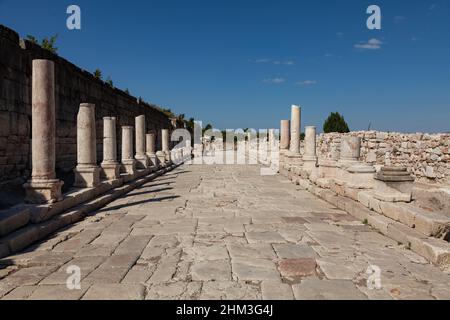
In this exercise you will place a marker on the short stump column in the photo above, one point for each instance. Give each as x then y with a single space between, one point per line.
310 155
110 165
350 149
151 149
128 161
141 156
43 186
87 173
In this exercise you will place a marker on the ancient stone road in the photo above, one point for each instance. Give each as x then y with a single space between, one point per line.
220 232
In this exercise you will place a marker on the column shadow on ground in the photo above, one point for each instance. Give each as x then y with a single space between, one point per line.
131 204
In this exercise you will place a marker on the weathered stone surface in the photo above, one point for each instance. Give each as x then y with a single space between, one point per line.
273 290
218 270
197 258
115 292
316 289
293 269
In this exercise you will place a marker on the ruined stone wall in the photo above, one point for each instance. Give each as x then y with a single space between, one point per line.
427 156
73 86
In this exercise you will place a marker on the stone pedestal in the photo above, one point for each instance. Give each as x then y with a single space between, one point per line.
87 173
360 176
43 186
141 156
128 161
110 165
161 156
393 184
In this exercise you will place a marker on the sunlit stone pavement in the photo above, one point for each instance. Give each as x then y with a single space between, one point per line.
220 232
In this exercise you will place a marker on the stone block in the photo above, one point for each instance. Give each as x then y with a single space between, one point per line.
13 219
434 250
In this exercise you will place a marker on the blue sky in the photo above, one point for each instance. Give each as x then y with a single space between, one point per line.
243 63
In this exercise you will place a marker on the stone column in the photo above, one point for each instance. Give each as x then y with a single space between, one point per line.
110 165
310 154
87 173
310 144
295 130
141 156
128 161
285 134
350 149
43 186
151 149
166 143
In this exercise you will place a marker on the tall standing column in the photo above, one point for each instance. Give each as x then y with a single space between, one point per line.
87 173
141 156
110 165
128 161
295 130
151 149
166 144
43 186
285 134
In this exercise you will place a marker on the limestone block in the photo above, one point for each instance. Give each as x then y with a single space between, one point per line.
13 219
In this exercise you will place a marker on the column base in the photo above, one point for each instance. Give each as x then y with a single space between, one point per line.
87 177
293 158
141 162
43 191
110 171
310 163
129 166
161 158
153 160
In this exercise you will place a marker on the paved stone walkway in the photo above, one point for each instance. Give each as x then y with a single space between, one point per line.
220 232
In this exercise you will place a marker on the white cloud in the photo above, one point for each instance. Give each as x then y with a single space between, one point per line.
339 34
274 80
286 63
307 82
276 62
372 44
263 60
432 7
399 19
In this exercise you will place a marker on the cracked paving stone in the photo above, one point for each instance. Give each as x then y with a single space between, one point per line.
264 237
274 290
294 251
293 269
115 292
218 270
315 289
251 269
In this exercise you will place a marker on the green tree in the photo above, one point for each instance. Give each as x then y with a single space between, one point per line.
109 82
335 123
46 43
98 74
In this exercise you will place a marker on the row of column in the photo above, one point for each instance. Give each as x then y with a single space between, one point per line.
43 186
290 141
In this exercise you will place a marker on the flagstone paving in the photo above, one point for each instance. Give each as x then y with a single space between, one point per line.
220 232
